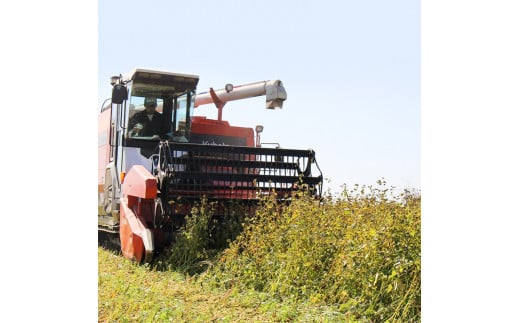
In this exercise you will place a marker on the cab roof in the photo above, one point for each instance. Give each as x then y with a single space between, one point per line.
179 81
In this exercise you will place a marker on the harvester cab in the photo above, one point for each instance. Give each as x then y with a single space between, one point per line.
170 97
156 159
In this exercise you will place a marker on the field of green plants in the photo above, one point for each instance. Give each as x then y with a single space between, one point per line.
355 257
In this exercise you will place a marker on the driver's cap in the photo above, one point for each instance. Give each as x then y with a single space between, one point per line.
150 102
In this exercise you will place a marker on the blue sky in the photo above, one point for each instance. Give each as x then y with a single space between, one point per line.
351 70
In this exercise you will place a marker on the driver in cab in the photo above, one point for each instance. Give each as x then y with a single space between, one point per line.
147 123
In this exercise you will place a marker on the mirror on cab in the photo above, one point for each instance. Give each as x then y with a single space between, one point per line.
119 94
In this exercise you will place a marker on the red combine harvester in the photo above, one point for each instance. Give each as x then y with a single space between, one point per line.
151 170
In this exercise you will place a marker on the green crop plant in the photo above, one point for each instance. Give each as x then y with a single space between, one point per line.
360 251
355 257
201 237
